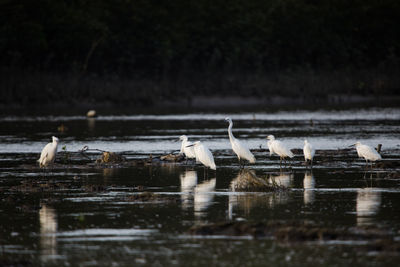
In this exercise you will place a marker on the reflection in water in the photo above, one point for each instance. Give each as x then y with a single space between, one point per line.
248 201
48 230
188 183
309 185
283 179
245 202
109 172
246 180
91 122
202 195
368 203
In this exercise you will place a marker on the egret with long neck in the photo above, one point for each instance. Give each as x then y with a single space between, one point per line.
238 147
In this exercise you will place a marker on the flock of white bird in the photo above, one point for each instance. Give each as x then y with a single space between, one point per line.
197 150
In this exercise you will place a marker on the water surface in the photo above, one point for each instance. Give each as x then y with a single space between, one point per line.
84 214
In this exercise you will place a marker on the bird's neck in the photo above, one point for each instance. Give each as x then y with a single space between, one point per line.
231 137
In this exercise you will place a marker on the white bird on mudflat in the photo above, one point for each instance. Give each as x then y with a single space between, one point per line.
204 155
188 151
238 147
308 151
48 154
367 152
278 148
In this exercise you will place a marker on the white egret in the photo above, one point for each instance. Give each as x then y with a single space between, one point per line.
204 155
188 151
48 154
238 147
367 152
308 151
278 148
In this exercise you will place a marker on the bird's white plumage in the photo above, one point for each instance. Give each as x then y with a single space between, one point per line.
367 152
278 148
308 151
48 154
188 151
238 147
204 155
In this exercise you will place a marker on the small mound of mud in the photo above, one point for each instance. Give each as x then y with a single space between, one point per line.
393 175
378 239
151 197
388 164
230 229
173 157
95 188
110 157
39 186
247 181
15 262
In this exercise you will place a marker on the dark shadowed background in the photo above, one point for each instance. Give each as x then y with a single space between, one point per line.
148 53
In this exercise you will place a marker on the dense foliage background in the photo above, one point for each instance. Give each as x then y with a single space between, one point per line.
211 46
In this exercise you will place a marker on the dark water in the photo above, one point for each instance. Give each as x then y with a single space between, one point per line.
80 214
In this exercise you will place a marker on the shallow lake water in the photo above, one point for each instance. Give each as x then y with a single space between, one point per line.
82 214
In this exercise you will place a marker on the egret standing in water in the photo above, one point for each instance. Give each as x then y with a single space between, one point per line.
238 147
367 152
188 151
204 155
48 154
278 148
309 152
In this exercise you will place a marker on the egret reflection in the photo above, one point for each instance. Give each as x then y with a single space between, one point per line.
368 204
309 185
203 195
48 230
246 181
188 183
91 123
283 179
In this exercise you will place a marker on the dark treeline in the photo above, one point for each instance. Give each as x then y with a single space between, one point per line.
95 49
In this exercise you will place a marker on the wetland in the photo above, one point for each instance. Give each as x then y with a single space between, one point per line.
146 211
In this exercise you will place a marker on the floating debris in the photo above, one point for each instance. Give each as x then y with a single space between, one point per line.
91 113
62 128
173 157
110 157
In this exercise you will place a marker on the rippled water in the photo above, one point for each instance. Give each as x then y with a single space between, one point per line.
86 215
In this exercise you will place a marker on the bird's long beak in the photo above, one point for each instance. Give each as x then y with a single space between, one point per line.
352 145
190 145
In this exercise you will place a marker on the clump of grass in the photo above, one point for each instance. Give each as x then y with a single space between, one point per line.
247 181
